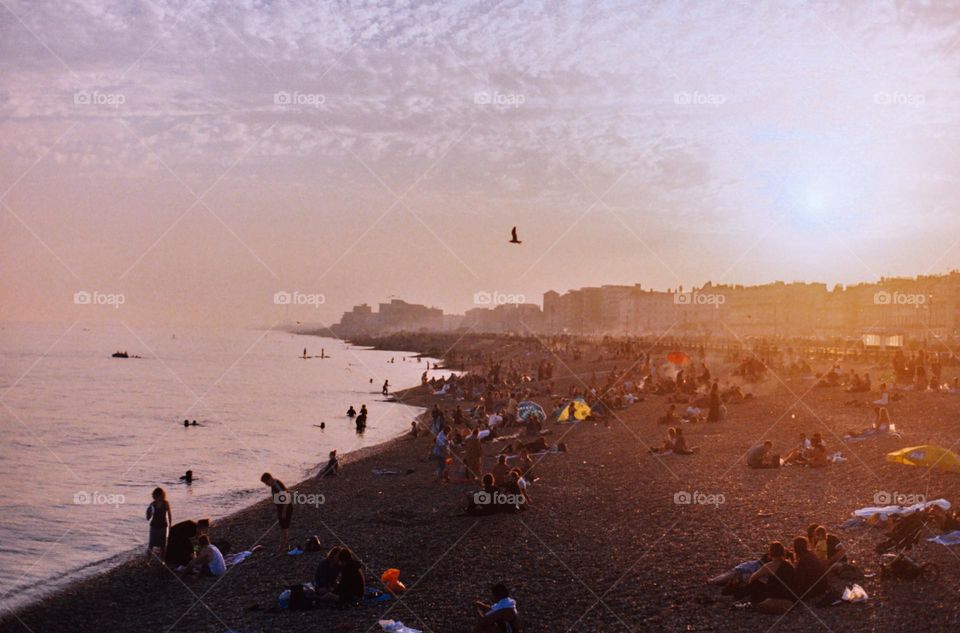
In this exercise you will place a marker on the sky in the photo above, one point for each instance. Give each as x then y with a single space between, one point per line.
184 162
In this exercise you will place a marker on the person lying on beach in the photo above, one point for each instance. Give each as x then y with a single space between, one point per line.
284 505
759 456
735 580
332 468
209 560
667 445
499 617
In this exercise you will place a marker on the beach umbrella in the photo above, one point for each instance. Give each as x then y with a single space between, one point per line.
927 455
526 408
580 410
678 358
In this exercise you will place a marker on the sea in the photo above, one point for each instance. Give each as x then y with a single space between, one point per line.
86 437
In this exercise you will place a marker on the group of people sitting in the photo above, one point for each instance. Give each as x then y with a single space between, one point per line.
776 581
675 443
505 489
810 451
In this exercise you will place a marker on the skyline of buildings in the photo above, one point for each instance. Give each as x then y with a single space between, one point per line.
886 312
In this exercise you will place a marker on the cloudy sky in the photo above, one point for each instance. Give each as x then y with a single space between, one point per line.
198 157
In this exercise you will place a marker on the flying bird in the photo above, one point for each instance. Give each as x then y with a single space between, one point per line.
513 238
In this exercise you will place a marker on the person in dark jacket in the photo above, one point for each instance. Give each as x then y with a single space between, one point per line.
351 585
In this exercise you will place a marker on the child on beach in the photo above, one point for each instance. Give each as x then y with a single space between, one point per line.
160 516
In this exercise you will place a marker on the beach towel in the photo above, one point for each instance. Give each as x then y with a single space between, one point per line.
395 626
953 538
883 512
239 557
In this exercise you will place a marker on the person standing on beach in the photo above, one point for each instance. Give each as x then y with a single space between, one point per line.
473 455
284 504
440 451
160 516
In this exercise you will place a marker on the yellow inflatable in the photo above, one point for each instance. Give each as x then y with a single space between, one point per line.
580 410
929 456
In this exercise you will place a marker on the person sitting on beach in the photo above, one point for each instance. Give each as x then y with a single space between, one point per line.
179 550
526 465
801 453
351 585
811 573
501 472
160 516
670 417
829 548
328 571
484 501
284 505
209 560
499 617
759 456
517 486
667 445
772 587
680 444
332 468
818 454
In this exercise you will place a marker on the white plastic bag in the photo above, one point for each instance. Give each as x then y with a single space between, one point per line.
855 594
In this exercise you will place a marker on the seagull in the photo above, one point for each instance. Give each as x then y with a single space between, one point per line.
513 238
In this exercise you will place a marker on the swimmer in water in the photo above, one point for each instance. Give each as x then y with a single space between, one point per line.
351 412
186 423
323 425
187 477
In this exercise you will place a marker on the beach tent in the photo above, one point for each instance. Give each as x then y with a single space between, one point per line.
526 408
927 455
580 410
678 358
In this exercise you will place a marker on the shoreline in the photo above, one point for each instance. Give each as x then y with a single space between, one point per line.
105 566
